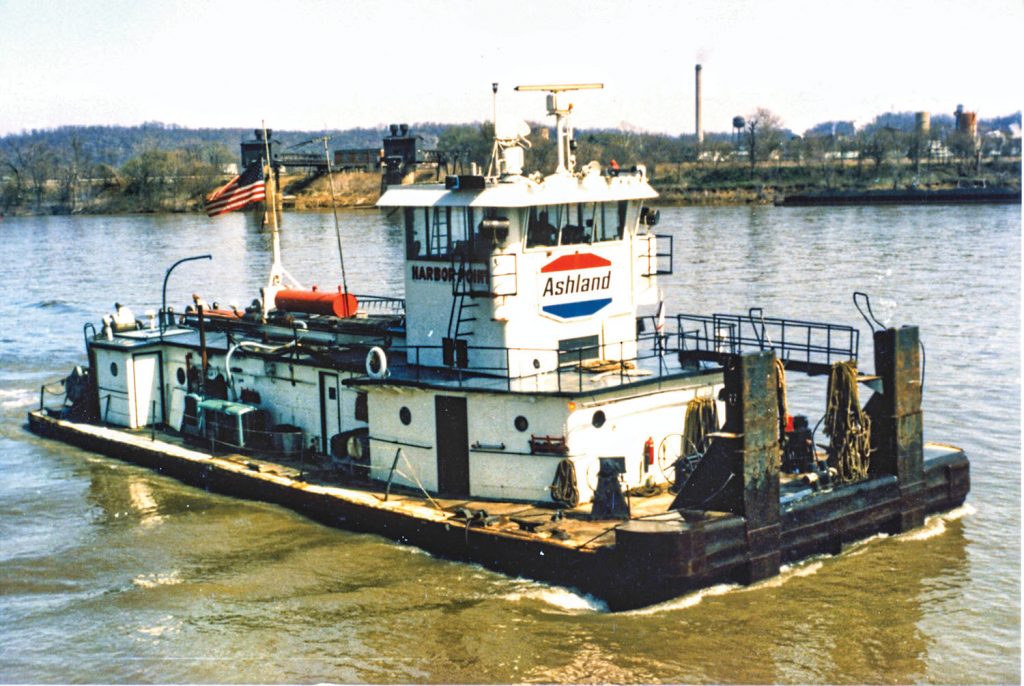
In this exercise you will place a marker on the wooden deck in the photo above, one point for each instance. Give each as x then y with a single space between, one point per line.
570 528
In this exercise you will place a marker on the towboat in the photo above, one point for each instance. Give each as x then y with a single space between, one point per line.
529 404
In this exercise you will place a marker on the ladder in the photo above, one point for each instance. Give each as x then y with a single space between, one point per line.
455 347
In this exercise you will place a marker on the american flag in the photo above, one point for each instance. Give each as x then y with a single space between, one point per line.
240 191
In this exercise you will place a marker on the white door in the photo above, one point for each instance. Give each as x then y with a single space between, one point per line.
149 403
330 409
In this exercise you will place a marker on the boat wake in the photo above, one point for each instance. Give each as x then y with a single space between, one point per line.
796 570
786 573
935 525
563 600
686 601
858 547
15 398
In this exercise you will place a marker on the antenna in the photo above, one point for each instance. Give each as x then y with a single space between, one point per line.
334 209
492 167
561 111
494 104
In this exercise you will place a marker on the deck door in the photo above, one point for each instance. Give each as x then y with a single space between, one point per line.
330 409
452 446
147 377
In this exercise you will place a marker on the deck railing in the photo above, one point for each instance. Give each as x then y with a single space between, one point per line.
652 357
810 347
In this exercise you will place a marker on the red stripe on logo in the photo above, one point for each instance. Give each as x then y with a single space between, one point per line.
577 261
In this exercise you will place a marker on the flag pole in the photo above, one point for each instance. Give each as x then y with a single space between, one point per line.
278 273
270 213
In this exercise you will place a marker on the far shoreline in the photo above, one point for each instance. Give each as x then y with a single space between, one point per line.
361 190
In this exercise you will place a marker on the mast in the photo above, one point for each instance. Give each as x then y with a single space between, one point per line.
334 208
278 274
561 110
493 166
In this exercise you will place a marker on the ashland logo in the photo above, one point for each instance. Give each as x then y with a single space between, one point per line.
570 277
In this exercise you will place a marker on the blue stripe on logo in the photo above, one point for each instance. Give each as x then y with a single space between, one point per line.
577 309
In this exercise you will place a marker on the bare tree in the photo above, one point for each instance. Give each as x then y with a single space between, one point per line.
820 152
40 162
963 147
71 168
763 134
917 149
13 181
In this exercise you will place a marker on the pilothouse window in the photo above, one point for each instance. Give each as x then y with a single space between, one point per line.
437 232
540 230
574 228
610 222
575 224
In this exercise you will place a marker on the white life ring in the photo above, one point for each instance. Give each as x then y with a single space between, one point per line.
376 363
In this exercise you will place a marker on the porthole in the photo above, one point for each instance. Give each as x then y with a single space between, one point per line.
599 419
521 423
180 376
536 363
405 415
113 368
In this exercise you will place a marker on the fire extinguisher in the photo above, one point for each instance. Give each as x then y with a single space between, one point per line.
648 453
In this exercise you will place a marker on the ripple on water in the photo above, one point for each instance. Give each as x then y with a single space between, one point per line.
155 579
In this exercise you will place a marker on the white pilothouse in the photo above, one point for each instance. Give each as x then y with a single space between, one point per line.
518 358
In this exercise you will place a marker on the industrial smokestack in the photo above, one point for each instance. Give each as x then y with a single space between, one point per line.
700 129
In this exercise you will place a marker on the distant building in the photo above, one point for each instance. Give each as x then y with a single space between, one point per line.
358 159
842 155
399 153
253 150
938 151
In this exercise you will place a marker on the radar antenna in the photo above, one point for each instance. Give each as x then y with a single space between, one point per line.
561 109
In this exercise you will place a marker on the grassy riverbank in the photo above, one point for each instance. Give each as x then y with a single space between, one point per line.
677 184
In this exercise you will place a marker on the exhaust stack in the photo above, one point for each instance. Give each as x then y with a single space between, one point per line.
700 129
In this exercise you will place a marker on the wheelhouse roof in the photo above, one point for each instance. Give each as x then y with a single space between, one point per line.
523 192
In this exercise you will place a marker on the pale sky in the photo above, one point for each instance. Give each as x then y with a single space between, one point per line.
341 64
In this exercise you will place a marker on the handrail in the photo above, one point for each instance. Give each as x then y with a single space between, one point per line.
810 345
572 365
873 321
167 275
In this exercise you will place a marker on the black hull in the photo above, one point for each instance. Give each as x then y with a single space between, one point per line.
663 559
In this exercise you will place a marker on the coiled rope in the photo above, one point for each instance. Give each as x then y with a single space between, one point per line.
848 427
783 403
646 490
780 394
701 421
563 488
